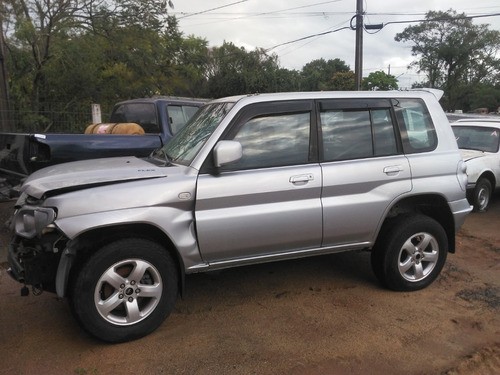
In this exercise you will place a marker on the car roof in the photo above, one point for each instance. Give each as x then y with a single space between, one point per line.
254 98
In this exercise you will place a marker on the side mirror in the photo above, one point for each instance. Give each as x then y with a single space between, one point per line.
226 152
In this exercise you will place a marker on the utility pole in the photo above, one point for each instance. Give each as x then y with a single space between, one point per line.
358 68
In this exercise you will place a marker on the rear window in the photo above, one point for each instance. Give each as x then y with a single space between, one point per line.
143 114
477 138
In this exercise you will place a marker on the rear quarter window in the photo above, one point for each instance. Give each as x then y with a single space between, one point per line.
417 129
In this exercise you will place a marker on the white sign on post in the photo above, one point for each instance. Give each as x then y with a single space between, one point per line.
96 114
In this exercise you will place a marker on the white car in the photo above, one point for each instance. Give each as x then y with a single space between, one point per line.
479 142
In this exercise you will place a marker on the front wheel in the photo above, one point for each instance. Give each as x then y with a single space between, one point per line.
410 253
481 195
125 290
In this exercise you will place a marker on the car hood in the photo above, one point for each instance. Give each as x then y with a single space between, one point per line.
471 154
69 176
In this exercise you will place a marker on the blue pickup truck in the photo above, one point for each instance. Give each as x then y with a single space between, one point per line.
159 117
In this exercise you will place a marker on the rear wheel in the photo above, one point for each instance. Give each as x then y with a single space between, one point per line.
125 290
481 195
410 254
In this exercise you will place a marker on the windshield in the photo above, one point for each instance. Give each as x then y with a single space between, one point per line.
477 138
185 145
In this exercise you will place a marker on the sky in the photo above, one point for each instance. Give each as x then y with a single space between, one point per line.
266 24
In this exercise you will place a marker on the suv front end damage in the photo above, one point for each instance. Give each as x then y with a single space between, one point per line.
36 247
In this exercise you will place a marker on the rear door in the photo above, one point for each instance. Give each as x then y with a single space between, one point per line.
364 169
269 201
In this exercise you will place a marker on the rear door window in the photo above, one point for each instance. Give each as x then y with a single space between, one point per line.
354 133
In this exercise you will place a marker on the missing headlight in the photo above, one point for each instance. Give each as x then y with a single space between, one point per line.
31 221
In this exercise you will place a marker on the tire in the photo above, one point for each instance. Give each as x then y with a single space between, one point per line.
481 195
125 290
410 253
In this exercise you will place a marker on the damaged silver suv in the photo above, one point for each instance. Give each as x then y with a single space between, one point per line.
249 179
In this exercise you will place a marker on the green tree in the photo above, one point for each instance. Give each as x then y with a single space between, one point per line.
191 65
39 35
234 71
455 54
344 81
318 74
287 80
380 81
486 96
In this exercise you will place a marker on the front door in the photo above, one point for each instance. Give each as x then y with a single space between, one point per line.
269 201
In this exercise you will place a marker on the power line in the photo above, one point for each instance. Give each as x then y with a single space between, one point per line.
285 52
285 13
271 12
307 37
382 25
209 10
444 18
236 16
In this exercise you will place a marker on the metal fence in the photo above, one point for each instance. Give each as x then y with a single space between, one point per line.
53 118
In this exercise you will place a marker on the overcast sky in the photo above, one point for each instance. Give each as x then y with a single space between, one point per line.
266 24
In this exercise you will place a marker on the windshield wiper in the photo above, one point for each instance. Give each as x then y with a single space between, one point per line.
159 153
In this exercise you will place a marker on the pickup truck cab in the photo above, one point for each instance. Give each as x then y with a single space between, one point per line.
479 143
249 179
160 117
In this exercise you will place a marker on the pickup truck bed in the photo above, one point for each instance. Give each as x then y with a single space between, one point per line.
160 117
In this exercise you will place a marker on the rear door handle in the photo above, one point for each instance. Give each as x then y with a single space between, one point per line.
301 178
393 170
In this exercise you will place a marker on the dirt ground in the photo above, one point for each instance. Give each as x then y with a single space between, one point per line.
316 316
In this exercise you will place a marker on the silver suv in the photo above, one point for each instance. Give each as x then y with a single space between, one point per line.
249 179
